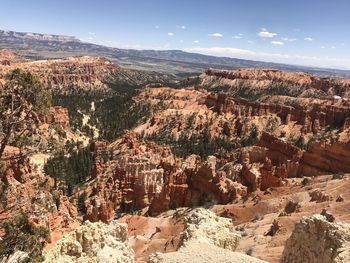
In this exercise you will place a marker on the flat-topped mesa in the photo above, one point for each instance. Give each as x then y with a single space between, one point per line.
82 72
86 73
37 36
312 116
262 78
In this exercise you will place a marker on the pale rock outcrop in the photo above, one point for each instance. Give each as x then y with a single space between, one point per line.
16 257
205 227
314 239
93 243
206 238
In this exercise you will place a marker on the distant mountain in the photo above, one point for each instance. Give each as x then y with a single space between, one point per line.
8 35
35 45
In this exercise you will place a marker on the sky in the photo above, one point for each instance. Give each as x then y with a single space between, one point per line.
300 32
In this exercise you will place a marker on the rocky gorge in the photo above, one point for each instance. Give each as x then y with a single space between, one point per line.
208 169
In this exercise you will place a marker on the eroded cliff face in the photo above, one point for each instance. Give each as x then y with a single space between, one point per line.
264 77
88 73
254 83
137 175
25 190
305 122
327 156
312 115
132 173
127 175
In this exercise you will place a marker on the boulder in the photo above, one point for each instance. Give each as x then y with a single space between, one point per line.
315 239
93 243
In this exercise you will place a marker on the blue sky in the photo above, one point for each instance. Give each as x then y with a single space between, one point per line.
305 32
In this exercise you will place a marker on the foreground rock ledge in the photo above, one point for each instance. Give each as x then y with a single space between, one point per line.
314 239
206 238
93 243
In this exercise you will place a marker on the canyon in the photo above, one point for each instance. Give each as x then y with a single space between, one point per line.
234 165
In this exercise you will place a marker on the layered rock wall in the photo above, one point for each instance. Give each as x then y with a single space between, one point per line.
312 117
88 73
263 78
325 157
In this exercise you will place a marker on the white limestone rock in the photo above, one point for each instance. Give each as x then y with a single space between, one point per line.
206 238
93 243
314 239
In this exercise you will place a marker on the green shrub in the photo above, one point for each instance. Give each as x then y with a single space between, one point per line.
20 235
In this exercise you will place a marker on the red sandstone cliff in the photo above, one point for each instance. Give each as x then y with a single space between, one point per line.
75 72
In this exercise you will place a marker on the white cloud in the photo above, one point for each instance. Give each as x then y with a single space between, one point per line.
237 37
323 47
326 62
308 39
91 33
333 47
171 34
216 35
156 27
221 51
250 42
279 43
181 41
183 27
264 33
196 41
287 39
